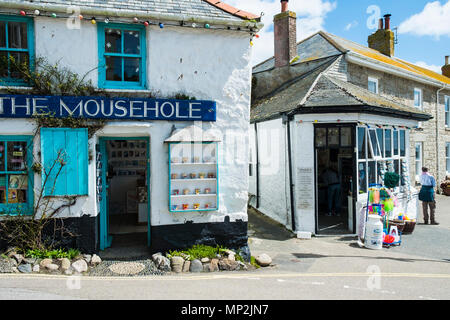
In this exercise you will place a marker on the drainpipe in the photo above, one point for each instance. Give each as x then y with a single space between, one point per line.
257 165
287 121
437 134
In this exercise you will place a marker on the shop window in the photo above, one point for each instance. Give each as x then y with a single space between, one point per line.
16 48
388 142
69 147
381 141
372 172
395 142
362 177
402 143
447 111
122 56
16 190
321 137
375 147
346 137
333 137
361 143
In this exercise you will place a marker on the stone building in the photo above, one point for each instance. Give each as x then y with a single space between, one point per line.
172 85
330 89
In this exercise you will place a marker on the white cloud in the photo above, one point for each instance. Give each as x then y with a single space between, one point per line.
431 67
311 16
434 20
351 25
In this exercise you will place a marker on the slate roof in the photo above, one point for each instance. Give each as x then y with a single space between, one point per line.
319 92
194 8
318 45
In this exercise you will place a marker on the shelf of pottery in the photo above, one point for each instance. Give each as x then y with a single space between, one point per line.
193 177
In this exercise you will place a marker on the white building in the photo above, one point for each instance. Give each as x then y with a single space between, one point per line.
133 50
315 105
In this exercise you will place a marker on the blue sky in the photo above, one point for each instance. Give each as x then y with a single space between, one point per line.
423 26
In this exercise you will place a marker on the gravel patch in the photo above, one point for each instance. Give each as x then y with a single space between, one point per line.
117 268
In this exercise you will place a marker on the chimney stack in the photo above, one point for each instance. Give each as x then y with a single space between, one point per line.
285 35
383 39
446 67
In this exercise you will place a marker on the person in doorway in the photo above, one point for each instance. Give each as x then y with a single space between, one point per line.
426 195
331 178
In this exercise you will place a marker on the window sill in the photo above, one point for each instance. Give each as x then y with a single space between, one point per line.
15 87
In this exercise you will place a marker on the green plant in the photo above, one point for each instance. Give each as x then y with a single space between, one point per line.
254 263
52 254
198 252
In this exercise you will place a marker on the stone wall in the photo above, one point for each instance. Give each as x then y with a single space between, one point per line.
402 90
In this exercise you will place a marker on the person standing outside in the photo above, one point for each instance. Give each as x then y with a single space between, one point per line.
426 195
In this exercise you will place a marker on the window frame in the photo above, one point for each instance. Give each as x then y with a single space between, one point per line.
416 160
447 111
5 207
129 85
420 106
374 80
447 158
30 43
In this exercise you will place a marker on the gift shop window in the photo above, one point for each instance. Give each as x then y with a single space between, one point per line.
122 56
15 177
379 151
16 48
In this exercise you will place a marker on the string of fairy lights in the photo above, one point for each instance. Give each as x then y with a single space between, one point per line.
249 28
368 125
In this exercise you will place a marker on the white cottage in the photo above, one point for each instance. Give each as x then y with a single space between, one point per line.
174 85
311 111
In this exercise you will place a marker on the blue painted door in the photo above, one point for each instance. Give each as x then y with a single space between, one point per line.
105 237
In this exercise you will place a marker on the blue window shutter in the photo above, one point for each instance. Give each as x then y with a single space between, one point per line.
72 144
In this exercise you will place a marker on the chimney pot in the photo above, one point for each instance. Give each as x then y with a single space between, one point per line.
387 21
284 5
446 60
380 24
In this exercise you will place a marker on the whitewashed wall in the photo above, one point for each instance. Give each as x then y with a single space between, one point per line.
207 64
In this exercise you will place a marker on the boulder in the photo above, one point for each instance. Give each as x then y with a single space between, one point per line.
25 268
204 260
196 266
44 263
214 265
36 268
80 266
228 265
18 257
95 260
177 264
163 263
263 260
52 267
65 264
87 257
186 265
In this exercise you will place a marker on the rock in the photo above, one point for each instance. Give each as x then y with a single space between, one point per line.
228 265
87 257
242 266
80 266
52 267
25 268
65 264
68 272
15 270
10 252
204 260
163 263
96 260
214 265
186 265
177 264
155 256
31 261
6 265
45 262
232 257
263 260
18 257
196 266
36 268
244 252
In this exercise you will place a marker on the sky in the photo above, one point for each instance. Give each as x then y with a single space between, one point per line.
423 27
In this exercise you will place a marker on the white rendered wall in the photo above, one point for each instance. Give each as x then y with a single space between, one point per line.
206 64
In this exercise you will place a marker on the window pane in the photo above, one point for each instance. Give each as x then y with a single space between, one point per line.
19 62
132 69
113 40
17 188
131 42
388 143
17 152
3 64
418 158
402 143
2 156
395 142
447 151
333 136
3 178
17 35
373 140
372 173
381 169
114 68
362 177
397 167
417 98
380 141
361 143
321 136
2 35
346 137
372 86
